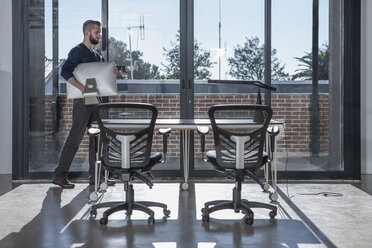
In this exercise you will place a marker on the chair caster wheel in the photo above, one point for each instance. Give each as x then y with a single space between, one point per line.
185 186
265 187
274 197
249 219
166 212
205 218
103 186
93 196
103 221
151 220
272 214
93 214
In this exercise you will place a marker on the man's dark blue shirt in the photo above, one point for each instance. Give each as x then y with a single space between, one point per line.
77 55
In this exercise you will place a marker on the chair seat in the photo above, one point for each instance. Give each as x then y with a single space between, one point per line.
211 155
155 158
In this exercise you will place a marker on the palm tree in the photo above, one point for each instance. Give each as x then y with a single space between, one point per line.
306 62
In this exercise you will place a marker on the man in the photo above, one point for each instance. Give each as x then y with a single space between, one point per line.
82 115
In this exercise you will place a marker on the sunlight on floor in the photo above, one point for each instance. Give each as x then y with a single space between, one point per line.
174 244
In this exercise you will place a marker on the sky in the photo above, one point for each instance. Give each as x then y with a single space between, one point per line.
240 19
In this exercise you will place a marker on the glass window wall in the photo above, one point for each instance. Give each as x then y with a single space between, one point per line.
144 41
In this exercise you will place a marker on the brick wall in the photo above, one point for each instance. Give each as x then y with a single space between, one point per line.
293 109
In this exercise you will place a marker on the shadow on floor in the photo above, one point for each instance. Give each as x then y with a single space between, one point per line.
55 226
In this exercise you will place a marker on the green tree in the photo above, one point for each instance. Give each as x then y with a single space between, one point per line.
306 64
119 53
202 61
248 62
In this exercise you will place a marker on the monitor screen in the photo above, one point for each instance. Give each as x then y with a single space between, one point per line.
102 72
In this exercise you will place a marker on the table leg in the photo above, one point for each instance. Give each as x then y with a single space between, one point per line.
271 167
266 186
186 152
274 172
274 195
266 167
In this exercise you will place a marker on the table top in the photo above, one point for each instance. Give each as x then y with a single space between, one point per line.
184 123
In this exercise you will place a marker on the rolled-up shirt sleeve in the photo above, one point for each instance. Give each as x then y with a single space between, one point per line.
73 59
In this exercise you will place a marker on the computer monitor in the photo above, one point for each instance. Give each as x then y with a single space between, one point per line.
100 72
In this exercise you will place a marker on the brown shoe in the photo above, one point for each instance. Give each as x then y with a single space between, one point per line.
110 182
63 183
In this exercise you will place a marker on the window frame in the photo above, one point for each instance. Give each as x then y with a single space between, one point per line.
351 85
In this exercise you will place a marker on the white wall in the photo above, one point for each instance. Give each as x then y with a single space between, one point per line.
6 87
366 87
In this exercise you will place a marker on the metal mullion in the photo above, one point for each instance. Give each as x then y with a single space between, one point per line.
183 59
55 70
190 59
105 34
314 96
268 51
190 78
351 129
186 59
20 95
183 72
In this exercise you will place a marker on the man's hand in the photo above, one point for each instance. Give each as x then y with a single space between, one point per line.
82 89
77 84
115 72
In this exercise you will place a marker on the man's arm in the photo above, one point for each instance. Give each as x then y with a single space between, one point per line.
72 80
74 58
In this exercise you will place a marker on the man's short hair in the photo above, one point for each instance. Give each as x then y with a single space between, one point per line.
89 25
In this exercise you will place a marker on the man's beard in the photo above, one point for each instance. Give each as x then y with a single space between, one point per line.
93 41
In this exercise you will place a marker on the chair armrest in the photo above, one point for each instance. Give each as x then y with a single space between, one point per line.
203 131
143 178
274 130
165 132
93 134
93 131
273 133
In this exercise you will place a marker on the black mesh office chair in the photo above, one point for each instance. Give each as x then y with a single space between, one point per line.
239 153
126 133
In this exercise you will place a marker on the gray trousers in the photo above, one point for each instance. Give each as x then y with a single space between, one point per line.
82 117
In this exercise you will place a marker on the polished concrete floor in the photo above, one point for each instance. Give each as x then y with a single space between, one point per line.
309 215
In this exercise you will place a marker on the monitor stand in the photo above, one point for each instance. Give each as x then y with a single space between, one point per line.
91 92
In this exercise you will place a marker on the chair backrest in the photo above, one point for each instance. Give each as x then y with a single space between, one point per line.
130 123
235 133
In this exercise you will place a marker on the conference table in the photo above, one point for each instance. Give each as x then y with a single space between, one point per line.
185 126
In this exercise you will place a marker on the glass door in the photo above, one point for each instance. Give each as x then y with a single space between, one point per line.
311 103
55 28
143 38
228 45
304 47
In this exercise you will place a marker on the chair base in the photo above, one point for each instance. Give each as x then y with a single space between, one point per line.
243 206
238 205
129 205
